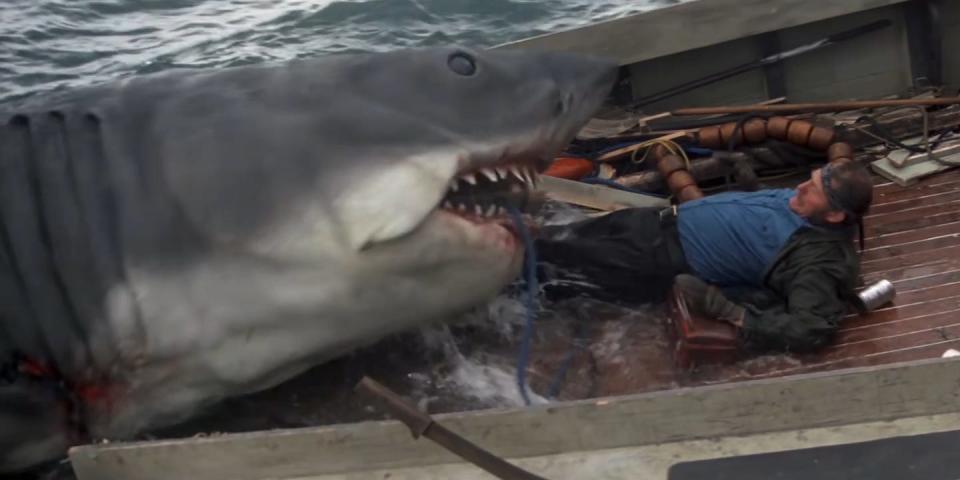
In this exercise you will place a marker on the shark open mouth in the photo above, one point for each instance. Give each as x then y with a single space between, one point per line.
488 194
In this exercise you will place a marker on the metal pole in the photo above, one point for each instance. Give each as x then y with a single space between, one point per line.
818 107
421 424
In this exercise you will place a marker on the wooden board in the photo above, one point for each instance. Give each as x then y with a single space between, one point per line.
598 197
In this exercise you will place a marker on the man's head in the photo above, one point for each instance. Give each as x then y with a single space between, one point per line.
839 193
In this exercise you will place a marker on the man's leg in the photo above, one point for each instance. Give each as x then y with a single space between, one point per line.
629 255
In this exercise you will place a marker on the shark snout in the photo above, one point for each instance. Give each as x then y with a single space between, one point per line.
576 89
583 77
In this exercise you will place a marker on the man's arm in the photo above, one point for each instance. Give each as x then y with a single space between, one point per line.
808 318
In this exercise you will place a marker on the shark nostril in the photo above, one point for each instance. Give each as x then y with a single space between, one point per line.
564 104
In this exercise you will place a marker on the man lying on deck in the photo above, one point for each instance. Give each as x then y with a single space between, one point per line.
778 264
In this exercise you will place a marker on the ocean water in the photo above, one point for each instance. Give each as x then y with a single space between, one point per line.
47 44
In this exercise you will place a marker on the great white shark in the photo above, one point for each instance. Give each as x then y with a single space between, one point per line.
171 240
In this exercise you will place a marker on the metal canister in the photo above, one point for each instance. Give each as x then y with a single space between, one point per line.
877 295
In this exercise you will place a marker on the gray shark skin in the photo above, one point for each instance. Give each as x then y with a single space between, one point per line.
172 240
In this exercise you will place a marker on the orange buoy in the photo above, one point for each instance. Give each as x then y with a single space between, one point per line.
571 168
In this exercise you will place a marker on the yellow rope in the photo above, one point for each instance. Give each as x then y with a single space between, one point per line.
670 145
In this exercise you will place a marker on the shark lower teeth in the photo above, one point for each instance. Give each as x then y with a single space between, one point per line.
476 210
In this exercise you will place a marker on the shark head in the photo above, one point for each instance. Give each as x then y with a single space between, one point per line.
379 143
271 217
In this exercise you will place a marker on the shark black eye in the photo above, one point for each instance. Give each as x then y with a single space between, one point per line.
462 64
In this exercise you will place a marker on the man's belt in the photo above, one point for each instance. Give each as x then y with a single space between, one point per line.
668 216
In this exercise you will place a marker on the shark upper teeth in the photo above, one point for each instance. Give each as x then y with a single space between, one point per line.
516 173
478 209
521 174
530 176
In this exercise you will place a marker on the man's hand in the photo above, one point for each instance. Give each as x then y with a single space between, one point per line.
708 301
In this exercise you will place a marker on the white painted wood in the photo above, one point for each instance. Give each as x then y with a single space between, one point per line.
653 462
911 174
598 197
691 25
803 401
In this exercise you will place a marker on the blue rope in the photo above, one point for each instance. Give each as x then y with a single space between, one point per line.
530 264
562 373
698 151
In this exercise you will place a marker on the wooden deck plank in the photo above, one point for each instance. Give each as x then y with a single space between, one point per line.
889 329
941 186
905 354
934 265
952 237
918 218
891 341
886 187
927 281
877 210
903 313
908 238
913 259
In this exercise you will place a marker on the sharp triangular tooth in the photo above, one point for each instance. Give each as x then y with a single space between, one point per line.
478 209
490 174
501 210
530 175
448 204
516 173
469 178
504 173
454 185
491 210
462 207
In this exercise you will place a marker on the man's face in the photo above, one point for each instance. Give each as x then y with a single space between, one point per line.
811 201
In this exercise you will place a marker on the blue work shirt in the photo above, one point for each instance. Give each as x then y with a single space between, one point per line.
731 238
